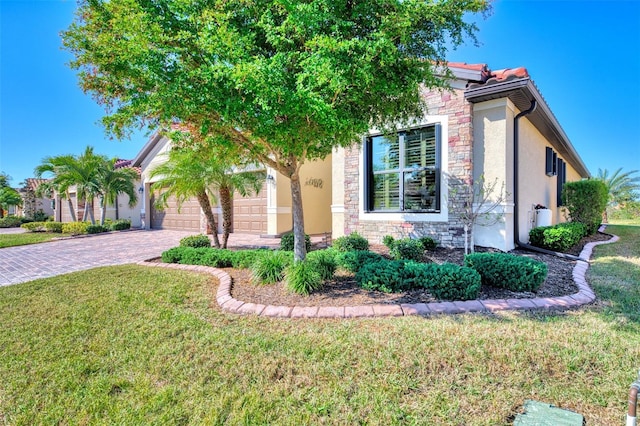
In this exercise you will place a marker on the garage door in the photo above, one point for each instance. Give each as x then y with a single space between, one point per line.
187 219
250 213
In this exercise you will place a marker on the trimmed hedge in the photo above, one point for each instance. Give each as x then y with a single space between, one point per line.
34 226
195 241
586 201
10 222
560 237
504 270
75 228
351 242
207 256
121 225
96 229
55 227
446 281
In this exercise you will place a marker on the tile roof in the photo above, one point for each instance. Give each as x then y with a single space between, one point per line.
488 76
120 163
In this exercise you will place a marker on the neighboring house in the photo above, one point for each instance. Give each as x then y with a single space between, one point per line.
30 202
494 124
266 213
119 211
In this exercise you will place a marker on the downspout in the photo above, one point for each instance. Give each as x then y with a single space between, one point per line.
516 225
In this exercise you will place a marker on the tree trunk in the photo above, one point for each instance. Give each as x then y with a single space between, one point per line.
88 211
71 208
299 246
205 205
227 213
103 211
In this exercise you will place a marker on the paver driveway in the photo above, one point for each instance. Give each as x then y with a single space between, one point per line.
26 263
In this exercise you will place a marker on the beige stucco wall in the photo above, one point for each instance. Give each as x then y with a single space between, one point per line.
337 193
316 181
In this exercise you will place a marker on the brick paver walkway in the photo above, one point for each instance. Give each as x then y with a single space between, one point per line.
25 263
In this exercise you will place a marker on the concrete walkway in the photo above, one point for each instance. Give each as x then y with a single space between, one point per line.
25 263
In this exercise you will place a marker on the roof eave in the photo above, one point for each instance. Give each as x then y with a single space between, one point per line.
521 91
146 149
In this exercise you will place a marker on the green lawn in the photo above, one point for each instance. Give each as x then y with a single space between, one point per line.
134 345
10 240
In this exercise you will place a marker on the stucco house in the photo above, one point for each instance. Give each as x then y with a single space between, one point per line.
493 124
32 203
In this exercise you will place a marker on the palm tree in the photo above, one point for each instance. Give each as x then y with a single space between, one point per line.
113 182
69 170
622 187
201 173
60 182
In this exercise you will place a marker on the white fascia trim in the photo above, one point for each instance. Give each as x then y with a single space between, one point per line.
443 216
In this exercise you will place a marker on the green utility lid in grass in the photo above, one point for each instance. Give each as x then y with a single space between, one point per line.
543 414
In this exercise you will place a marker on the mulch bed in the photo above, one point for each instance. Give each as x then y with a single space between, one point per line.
343 290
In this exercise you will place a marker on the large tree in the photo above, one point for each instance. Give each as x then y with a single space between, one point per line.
285 81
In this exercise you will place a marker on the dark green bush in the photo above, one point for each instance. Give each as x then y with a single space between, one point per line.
352 261
407 249
560 237
508 271
10 222
428 243
351 242
269 268
96 229
324 262
287 242
302 277
586 201
447 281
55 227
121 225
245 258
173 255
34 226
195 241
40 216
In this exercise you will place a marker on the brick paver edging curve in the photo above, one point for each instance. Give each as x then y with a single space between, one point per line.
584 295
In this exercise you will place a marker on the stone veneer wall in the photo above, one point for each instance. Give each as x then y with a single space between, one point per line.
448 234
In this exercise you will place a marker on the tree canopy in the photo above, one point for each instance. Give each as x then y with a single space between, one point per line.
284 81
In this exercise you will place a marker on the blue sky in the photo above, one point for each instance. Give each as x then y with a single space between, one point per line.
584 56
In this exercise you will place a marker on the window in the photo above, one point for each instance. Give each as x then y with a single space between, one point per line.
562 179
402 171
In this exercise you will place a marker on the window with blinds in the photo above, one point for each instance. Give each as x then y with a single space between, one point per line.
403 171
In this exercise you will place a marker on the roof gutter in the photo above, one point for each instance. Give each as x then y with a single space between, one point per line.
516 180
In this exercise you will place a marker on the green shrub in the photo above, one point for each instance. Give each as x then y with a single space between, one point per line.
195 241
40 216
120 225
287 242
586 201
428 243
352 261
388 241
246 258
302 277
407 249
351 242
385 276
560 237
269 268
75 228
55 227
324 261
173 255
508 271
10 222
451 282
96 229
34 226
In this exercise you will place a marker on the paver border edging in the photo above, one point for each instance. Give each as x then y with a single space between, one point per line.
228 303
